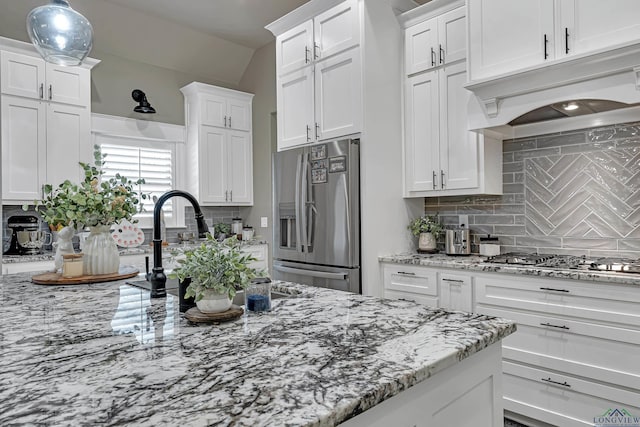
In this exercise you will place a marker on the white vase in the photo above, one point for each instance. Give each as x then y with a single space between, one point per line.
213 302
100 252
426 242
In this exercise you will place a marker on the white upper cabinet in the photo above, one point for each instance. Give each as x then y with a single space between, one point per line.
589 25
442 157
45 122
507 36
436 42
220 147
223 112
328 33
32 77
319 84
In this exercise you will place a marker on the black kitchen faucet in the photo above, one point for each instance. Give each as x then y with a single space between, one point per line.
158 279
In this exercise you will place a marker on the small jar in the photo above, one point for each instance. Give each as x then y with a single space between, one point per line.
72 265
236 226
258 295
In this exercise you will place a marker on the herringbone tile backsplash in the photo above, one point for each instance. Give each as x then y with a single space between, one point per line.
573 192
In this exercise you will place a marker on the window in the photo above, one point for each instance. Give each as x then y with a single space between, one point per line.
154 165
148 150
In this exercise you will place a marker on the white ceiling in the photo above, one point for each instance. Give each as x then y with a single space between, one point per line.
238 21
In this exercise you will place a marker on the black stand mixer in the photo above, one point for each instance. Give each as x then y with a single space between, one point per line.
19 223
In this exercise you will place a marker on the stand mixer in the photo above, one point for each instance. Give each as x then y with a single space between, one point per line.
26 239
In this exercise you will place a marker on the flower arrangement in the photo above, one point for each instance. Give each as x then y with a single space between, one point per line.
92 202
219 266
426 224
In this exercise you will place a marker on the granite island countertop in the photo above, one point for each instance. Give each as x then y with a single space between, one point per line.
477 263
107 354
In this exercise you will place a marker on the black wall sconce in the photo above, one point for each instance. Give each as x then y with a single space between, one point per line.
144 106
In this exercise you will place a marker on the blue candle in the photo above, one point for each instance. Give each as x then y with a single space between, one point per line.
258 303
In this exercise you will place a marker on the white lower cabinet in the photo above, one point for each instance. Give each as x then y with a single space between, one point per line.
571 359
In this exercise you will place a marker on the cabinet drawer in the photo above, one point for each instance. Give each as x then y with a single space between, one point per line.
559 399
412 279
575 347
596 302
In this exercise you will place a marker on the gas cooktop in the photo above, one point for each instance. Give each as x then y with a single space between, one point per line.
572 262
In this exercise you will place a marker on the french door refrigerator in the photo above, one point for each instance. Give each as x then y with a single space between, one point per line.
317 215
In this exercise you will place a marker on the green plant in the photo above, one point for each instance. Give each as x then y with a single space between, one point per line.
222 228
91 202
426 224
220 266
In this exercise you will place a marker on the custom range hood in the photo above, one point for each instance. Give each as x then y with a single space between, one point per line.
588 90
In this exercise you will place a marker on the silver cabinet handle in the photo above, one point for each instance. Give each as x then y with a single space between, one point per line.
441 54
316 48
225 121
546 42
452 280
226 196
41 90
434 180
229 121
308 130
554 290
566 40
50 93
441 179
554 326
404 273
231 195
317 129
433 58
306 55
549 380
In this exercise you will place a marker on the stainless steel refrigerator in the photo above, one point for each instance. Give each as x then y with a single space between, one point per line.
316 204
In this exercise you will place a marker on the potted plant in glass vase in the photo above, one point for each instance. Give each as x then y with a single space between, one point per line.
95 203
216 271
428 229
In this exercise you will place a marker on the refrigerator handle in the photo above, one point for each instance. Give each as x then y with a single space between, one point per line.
298 205
311 273
304 184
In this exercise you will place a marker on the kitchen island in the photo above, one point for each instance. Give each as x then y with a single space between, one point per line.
107 354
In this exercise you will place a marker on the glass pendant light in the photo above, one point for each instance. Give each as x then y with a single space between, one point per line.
60 34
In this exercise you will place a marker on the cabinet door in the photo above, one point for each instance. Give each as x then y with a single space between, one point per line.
240 171
295 109
336 29
213 110
458 147
419 43
294 48
422 132
68 136
452 36
24 152
338 95
213 165
69 85
456 292
239 114
588 25
22 75
507 35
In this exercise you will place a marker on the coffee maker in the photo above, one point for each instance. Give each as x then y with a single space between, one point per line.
21 223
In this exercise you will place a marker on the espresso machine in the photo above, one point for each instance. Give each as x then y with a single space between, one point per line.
25 236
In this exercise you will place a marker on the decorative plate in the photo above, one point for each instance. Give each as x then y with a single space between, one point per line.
127 235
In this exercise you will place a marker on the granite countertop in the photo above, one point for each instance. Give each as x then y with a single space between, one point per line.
106 353
477 263
140 250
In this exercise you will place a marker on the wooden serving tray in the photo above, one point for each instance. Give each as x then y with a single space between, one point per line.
125 272
196 316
